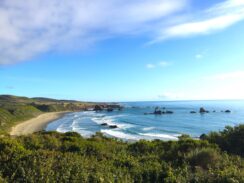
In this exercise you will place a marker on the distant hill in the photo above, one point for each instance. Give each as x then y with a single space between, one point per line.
13 99
42 99
14 109
20 99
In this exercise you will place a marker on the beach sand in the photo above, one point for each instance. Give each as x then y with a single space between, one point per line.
35 124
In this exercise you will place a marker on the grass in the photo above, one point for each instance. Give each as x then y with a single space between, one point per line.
14 109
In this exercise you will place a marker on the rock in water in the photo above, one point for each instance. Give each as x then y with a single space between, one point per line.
157 111
202 110
113 126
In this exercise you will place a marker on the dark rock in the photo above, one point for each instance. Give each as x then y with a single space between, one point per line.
227 111
193 112
98 108
113 126
104 124
202 110
157 111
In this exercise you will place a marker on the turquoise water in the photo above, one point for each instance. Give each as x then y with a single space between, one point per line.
134 125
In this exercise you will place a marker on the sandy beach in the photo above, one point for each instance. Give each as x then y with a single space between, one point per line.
36 124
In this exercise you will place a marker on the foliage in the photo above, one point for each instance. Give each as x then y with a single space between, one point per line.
56 157
231 139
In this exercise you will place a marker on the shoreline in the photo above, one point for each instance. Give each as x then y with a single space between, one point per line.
36 124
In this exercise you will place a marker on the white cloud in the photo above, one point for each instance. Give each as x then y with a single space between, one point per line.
213 19
150 66
159 64
38 26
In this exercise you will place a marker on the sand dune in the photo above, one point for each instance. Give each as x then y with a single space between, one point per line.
36 124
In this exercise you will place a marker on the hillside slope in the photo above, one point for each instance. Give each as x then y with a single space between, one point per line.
14 109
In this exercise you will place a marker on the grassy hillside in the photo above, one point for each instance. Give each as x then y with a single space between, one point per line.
55 157
15 109
11 114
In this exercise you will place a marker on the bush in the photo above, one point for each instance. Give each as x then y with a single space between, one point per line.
231 139
56 157
204 158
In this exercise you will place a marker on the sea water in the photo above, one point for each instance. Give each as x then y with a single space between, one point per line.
133 124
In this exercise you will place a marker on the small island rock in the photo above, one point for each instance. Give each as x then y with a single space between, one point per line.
202 110
113 126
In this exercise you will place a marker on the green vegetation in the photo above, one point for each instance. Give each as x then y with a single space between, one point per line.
55 157
16 109
230 140
10 114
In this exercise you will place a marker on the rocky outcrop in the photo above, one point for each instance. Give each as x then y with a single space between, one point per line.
157 111
193 112
113 126
98 108
107 107
227 111
202 110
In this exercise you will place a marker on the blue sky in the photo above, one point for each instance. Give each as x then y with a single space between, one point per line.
122 50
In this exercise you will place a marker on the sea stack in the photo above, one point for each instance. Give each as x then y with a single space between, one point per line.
202 110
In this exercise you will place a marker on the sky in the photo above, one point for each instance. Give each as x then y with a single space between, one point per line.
122 50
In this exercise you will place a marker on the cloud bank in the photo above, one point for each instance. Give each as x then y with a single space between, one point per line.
38 26
216 18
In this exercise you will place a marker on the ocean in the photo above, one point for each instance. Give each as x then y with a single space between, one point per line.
134 125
